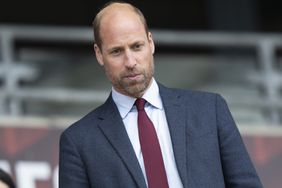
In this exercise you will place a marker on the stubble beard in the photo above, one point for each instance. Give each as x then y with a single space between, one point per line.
135 88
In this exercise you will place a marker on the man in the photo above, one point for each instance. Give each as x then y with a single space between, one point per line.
182 138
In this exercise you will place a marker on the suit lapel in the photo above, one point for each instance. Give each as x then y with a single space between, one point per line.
176 119
113 128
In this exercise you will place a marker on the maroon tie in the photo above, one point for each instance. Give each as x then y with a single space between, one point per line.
151 151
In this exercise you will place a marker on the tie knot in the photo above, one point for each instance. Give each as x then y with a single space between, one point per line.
140 103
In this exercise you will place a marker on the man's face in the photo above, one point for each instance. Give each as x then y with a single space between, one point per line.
126 53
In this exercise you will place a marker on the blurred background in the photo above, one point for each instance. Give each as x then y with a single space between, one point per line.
49 77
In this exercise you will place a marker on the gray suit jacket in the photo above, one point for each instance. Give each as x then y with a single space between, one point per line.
96 152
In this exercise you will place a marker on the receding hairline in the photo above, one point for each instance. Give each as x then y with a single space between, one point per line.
111 5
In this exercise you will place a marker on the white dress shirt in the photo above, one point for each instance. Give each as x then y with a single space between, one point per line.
155 111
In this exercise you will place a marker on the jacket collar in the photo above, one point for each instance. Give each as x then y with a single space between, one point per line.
113 128
176 114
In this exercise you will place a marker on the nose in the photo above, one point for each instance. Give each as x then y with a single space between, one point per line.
129 59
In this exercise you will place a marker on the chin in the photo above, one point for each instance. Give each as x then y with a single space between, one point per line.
136 90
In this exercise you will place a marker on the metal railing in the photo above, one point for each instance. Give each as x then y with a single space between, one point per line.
12 72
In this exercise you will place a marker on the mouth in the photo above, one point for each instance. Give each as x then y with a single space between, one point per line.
133 77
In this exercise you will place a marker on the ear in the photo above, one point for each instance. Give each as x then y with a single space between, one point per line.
151 42
98 54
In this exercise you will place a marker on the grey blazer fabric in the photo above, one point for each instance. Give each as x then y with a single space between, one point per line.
95 152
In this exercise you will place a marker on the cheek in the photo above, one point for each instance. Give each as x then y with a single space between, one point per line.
147 60
143 57
112 72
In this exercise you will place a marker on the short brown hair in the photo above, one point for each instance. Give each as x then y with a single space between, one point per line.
97 20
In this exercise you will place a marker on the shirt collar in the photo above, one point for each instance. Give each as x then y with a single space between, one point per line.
152 95
124 103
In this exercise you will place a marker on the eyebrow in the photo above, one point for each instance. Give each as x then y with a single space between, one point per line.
115 47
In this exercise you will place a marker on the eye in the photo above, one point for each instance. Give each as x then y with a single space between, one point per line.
137 46
115 52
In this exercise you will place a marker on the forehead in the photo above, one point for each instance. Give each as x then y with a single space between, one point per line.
120 20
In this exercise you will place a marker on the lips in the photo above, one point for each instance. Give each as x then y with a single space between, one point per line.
133 76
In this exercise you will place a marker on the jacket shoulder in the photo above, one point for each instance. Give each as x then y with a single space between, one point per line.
191 95
87 122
